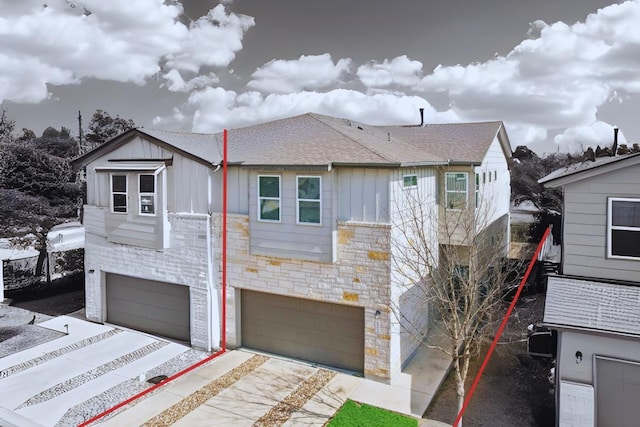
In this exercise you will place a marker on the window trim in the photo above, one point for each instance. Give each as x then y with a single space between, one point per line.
279 198
611 227
112 193
298 200
447 191
412 186
154 195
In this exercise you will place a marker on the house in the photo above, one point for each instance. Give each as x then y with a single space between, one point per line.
593 303
311 202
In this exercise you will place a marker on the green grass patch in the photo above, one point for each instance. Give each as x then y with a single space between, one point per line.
353 414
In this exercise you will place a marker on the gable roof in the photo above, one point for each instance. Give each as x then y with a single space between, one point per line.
316 140
580 171
461 143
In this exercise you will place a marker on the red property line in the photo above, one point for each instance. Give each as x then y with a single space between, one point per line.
224 305
502 326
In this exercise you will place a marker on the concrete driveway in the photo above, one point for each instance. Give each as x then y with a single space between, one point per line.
90 368
62 380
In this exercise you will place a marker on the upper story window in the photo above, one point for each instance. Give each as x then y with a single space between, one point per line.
456 190
623 228
269 198
119 193
410 181
147 194
477 190
309 201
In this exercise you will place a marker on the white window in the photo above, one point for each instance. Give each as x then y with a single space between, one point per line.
623 228
309 200
410 181
477 190
147 194
456 190
119 193
269 198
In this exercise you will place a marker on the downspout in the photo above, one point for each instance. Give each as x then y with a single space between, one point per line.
225 194
223 346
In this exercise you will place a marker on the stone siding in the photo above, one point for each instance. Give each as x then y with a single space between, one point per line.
183 263
360 277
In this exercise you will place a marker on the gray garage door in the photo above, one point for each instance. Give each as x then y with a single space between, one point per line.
330 334
617 393
158 308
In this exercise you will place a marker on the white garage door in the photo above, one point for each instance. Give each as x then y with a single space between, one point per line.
617 393
158 308
330 334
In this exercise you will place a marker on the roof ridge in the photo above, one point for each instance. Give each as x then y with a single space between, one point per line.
314 116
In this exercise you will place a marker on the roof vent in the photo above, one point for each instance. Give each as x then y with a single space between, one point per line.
421 117
615 140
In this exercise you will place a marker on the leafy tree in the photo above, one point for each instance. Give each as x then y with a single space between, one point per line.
6 127
58 143
103 127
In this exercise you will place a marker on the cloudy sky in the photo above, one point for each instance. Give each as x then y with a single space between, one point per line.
559 73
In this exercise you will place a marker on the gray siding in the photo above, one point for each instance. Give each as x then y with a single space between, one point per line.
238 190
363 194
287 239
187 180
585 225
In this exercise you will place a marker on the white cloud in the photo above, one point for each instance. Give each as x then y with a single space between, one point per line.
400 71
117 40
216 108
309 72
175 82
576 139
556 79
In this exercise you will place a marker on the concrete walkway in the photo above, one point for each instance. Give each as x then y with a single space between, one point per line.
247 400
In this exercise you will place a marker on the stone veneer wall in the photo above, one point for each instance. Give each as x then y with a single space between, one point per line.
360 277
183 263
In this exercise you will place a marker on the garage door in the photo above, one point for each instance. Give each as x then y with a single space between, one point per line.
617 392
158 308
330 334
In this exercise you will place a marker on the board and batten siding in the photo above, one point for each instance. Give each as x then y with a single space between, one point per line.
287 239
495 194
363 194
237 190
187 180
585 225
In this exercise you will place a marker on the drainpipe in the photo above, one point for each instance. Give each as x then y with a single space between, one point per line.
223 348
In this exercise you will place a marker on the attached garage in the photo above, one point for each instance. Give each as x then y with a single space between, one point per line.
617 392
158 308
325 333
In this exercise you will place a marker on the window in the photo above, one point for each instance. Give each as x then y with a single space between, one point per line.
147 193
119 193
490 176
269 198
495 175
309 203
410 181
623 227
477 190
456 190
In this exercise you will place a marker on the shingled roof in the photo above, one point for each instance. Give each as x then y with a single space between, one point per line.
318 140
462 143
577 171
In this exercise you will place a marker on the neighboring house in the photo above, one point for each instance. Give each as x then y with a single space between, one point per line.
594 303
311 202
64 259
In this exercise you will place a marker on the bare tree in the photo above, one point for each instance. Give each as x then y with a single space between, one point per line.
452 255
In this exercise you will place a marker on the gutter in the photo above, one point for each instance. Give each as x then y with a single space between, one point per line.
224 309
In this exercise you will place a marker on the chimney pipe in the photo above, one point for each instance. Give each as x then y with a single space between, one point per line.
421 117
615 139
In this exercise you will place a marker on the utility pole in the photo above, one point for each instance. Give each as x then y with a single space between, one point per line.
79 132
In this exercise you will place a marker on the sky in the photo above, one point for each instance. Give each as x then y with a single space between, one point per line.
559 73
